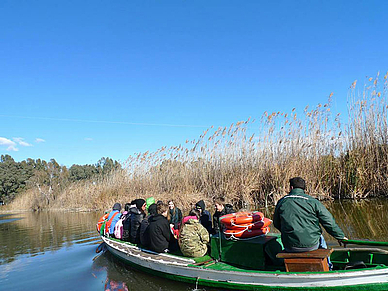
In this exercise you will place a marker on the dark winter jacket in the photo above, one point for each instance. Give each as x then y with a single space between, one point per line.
126 217
298 215
159 233
206 218
136 218
144 234
175 217
216 217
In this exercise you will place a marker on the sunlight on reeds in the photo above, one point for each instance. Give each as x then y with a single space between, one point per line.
250 162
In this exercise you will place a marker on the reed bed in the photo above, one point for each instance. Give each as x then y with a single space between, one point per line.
250 162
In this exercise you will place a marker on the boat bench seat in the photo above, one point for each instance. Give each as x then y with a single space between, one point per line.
314 261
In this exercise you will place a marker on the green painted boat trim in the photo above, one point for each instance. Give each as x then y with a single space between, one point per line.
221 266
365 242
197 259
247 287
224 284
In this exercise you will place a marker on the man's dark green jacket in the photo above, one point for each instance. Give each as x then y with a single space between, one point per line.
298 215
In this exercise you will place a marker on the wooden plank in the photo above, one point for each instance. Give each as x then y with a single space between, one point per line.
319 253
306 265
314 261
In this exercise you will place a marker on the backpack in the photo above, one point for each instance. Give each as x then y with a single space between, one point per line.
126 220
118 232
109 222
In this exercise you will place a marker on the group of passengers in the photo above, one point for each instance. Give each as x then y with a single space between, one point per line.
161 227
297 215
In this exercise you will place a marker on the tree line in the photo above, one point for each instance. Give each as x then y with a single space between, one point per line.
16 177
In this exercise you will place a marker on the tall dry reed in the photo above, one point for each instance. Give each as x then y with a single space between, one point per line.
250 162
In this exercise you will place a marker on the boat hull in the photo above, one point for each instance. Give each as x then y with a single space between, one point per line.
221 275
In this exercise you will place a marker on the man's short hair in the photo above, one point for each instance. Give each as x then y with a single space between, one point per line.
298 182
219 200
161 207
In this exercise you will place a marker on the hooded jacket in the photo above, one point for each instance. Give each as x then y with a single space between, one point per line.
136 218
206 218
298 215
193 238
159 233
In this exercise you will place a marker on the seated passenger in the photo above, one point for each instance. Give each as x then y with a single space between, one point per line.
137 215
126 218
205 217
193 236
174 217
159 230
112 219
144 234
221 209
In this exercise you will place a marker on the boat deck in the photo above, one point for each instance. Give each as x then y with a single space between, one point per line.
209 272
371 257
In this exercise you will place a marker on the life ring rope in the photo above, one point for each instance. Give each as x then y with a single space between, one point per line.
254 225
245 225
239 235
242 217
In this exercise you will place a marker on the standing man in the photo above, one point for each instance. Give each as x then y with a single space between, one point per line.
298 215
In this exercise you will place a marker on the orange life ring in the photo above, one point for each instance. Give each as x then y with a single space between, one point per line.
101 221
241 218
255 225
247 233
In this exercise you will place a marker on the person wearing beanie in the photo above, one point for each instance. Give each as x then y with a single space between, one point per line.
112 219
137 215
205 217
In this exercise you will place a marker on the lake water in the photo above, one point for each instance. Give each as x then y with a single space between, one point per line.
56 250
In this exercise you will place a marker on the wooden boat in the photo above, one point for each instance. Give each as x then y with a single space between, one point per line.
249 265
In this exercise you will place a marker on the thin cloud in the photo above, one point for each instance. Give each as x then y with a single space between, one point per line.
21 142
38 140
88 138
11 146
104 121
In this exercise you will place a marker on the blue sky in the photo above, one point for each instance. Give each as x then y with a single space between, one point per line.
81 80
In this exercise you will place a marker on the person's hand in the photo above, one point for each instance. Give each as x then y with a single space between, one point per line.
342 241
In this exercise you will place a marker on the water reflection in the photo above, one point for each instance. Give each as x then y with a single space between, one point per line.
33 233
122 275
58 249
364 219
